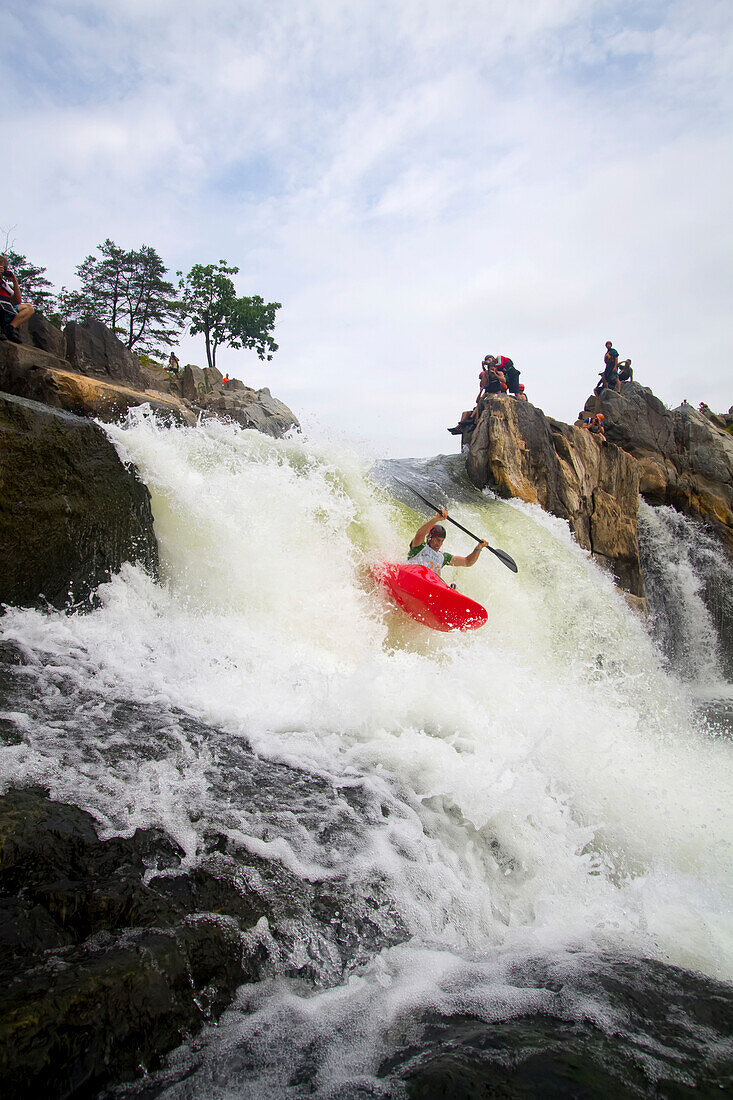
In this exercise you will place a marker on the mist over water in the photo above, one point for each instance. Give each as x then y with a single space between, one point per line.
547 786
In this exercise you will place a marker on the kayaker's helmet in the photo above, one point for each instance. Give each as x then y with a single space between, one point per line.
599 416
436 530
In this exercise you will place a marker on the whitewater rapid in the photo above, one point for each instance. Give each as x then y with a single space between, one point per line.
557 786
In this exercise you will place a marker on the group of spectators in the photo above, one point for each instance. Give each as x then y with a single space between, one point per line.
497 375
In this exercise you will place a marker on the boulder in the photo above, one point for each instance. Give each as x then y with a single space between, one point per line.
70 512
40 333
93 349
103 971
197 382
519 452
685 455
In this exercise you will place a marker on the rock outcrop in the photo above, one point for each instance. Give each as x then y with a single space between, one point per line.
685 456
88 371
103 971
519 452
70 512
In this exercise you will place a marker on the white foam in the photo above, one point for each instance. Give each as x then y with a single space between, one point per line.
548 782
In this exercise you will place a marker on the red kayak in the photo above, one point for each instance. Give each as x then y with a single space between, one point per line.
425 597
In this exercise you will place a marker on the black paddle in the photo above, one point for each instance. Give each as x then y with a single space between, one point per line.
509 562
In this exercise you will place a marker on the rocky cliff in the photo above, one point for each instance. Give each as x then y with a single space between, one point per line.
70 512
86 370
682 457
519 452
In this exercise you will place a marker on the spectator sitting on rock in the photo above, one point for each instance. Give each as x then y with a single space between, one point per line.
225 379
173 365
13 311
492 378
467 421
520 394
625 373
595 425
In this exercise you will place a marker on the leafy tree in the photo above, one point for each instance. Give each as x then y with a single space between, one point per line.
128 292
213 309
34 285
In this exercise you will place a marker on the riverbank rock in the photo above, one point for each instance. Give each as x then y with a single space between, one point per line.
685 456
70 512
101 971
519 452
88 371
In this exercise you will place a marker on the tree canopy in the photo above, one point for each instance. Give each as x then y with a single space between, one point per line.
128 292
213 310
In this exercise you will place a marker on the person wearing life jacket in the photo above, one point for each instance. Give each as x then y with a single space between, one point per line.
13 310
426 546
491 377
225 379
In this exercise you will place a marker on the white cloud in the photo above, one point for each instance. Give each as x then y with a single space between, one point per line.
418 183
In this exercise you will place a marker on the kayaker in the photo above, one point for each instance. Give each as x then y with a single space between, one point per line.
426 546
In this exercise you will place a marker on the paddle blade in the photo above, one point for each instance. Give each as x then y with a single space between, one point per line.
508 560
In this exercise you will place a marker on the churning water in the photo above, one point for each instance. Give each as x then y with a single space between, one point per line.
547 788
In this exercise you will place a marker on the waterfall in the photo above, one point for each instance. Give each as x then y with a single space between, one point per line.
688 579
544 788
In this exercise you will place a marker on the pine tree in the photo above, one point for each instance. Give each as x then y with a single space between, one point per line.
128 292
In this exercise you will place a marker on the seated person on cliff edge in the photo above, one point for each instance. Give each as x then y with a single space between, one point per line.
13 310
520 394
425 548
625 373
594 424
492 377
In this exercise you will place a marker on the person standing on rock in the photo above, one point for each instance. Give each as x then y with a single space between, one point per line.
173 365
426 546
13 310
609 374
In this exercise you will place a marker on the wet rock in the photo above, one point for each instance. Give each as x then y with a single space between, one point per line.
102 972
667 1035
519 452
70 512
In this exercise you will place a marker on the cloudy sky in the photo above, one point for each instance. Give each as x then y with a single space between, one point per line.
418 183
